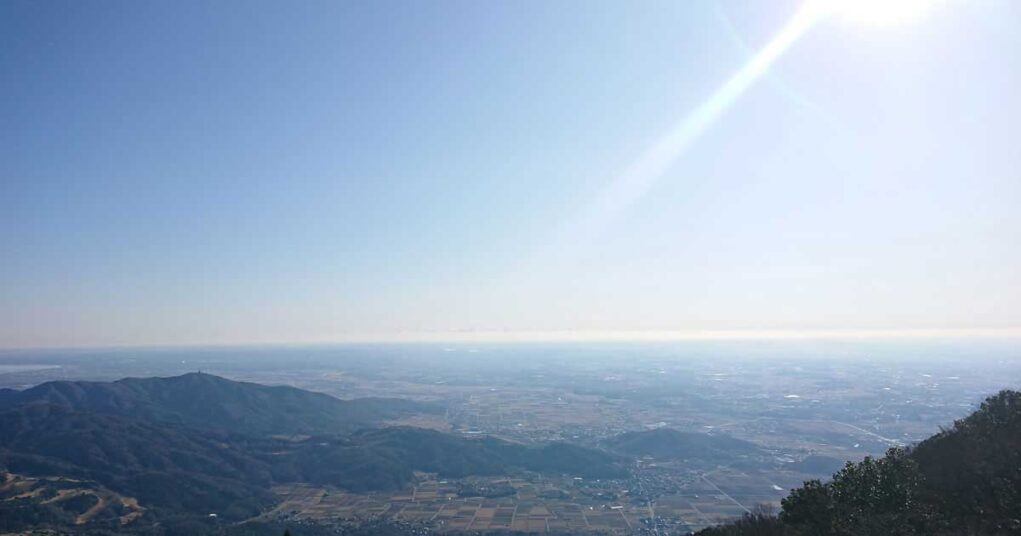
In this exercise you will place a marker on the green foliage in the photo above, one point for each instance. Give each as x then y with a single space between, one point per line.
756 523
972 471
964 480
874 496
878 496
811 507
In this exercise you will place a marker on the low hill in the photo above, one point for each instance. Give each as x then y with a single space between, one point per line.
386 458
454 456
670 444
964 480
205 400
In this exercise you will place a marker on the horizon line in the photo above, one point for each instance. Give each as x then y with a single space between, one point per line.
553 336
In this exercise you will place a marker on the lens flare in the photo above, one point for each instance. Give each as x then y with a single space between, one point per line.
877 12
640 177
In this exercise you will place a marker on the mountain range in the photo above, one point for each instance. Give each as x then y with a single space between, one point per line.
208 401
135 454
199 443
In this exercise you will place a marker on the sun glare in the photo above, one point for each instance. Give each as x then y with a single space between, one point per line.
877 12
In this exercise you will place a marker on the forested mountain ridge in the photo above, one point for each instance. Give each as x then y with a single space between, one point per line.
205 400
127 437
167 466
964 480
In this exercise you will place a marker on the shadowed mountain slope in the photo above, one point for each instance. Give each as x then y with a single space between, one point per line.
205 400
169 466
137 438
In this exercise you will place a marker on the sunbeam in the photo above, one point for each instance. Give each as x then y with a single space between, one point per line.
642 175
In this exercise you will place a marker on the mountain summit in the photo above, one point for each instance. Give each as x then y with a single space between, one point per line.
205 400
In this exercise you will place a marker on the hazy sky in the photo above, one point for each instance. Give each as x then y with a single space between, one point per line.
212 172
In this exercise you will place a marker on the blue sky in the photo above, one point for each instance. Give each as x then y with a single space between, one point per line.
229 172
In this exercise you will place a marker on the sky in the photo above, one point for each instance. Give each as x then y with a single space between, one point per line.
252 172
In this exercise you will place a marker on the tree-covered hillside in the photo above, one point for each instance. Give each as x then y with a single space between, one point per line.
208 401
124 437
963 480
